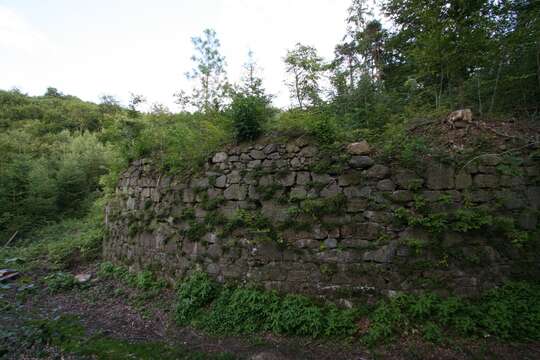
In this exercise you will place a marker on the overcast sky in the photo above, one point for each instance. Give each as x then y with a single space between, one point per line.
91 48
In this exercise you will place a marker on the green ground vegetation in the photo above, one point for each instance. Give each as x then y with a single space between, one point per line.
68 336
510 312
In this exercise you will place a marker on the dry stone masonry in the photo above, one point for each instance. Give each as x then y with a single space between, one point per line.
293 218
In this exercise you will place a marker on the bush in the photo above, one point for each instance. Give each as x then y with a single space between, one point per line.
193 294
177 143
60 281
510 312
60 245
143 280
322 126
248 114
241 311
245 310
297 315
41 185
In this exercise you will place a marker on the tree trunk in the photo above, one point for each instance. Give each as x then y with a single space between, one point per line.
538 62
297 88
495 87
479 96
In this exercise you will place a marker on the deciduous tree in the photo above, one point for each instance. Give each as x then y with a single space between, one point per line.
304 67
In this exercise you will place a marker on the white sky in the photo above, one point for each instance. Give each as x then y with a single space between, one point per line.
91 48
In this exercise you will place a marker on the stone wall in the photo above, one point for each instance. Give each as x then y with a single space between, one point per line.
292 218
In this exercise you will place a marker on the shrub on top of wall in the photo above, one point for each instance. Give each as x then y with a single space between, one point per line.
248 114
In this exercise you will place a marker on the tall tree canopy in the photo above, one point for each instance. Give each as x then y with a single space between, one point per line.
304 67
209 73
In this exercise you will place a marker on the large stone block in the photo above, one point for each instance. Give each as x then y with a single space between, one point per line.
402 196
330 190
356 205
221 181
235 192
188 196
485 181
288 179
439 176
361 162
463 180
350 178
292 148
308 151
303 177
378 172
270 148
266 180
257 155
386 185
533 195
321 178
298 193
274 211
384 254
528 220
219 157
234 177
490 159
359 148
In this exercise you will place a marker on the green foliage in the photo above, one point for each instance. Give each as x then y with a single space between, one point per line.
432 332
509 312
178 143
255 224
249 114
471 219
38 186
240 311
462 220
211 89
59 281
108 270
397 143
318 207
510 166
195 230
193 295
520 238
61 245
144 280
319 124
188 213
304 66
298 315
340 322
267 192
417 245
210 204
503 30
245 310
